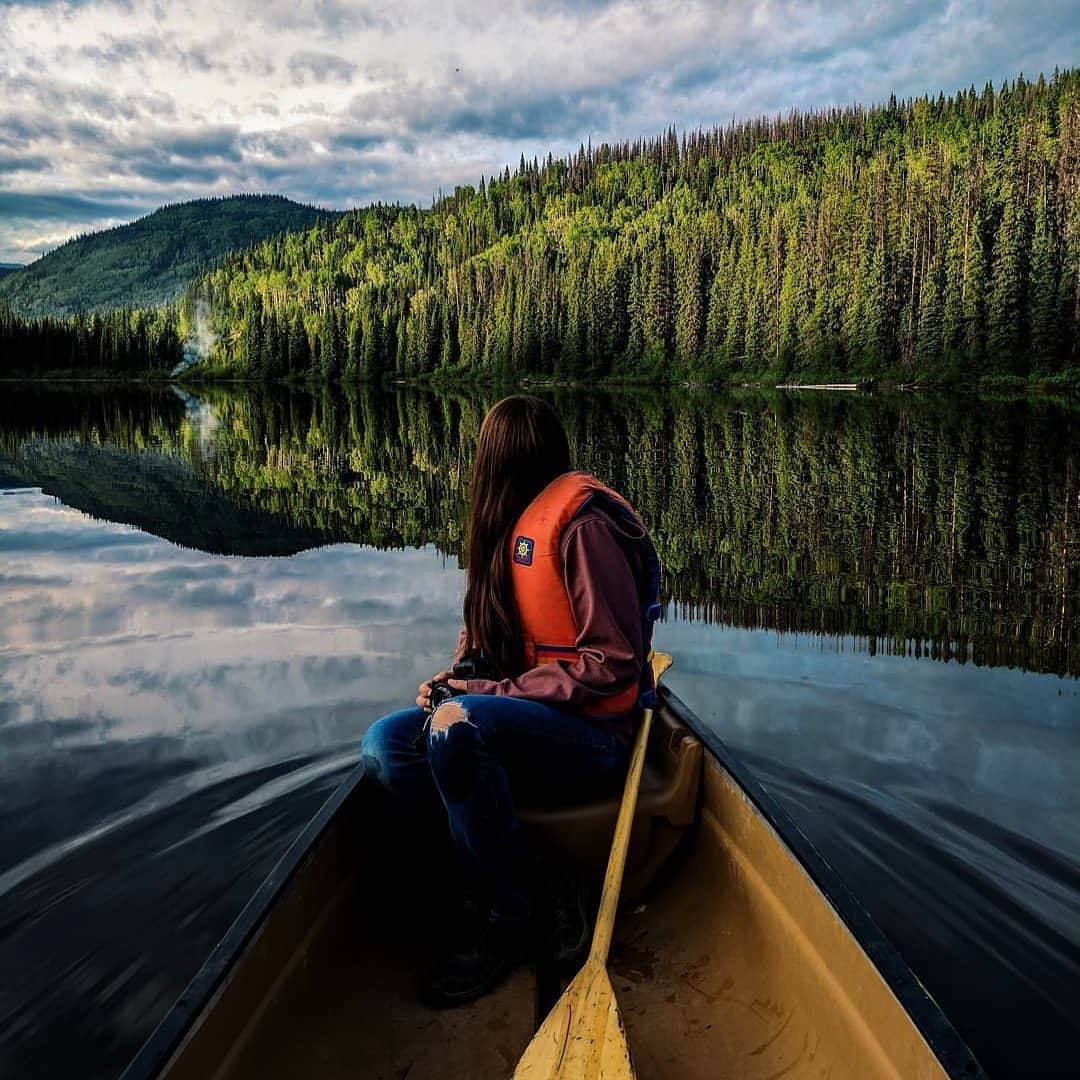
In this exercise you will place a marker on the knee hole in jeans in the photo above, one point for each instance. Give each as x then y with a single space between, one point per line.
446 715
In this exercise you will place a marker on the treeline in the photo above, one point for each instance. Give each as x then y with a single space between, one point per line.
125 341
935 238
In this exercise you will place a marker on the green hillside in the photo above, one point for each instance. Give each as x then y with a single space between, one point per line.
934 238
151 260
9 268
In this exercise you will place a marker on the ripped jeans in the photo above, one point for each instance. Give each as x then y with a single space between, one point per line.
482 753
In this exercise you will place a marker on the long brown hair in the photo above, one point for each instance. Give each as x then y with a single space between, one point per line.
522 448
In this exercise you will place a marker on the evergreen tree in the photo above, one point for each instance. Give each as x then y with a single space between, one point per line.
1006 323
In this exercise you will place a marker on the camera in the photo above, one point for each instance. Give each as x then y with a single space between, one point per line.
440 692
471 666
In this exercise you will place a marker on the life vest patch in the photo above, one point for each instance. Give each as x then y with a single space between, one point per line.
523 551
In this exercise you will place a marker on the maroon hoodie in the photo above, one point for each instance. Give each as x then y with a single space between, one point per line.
601 568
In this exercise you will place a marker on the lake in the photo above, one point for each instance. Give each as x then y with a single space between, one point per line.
208 596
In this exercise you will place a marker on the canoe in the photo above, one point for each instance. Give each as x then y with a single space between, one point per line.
738 951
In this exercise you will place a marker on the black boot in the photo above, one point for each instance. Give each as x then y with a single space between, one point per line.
477 966
569 921
564 919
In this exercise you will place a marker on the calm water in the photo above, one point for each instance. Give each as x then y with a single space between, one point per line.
207 600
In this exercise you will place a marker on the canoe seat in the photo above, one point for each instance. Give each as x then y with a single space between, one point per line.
666 808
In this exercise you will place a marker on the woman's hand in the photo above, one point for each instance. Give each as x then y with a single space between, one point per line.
423 691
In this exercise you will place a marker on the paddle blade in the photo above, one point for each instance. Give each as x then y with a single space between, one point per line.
583 1036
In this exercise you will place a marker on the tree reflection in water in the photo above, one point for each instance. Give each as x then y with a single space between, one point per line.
936 526
170 718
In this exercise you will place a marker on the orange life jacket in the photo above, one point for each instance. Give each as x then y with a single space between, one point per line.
544 612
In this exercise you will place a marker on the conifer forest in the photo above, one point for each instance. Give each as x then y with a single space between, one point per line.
923 239
934 239
122 342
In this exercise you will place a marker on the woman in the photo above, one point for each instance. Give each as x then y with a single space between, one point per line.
559 603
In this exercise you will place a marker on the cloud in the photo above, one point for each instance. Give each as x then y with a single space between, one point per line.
320 67
15 162
46 207
202 154
113 50
137 104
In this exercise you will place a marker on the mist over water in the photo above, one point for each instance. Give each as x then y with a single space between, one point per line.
209 597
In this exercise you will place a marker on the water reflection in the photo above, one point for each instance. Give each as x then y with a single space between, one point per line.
170 720
944 527
172 710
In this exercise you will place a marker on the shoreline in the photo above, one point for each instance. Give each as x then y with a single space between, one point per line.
1030 386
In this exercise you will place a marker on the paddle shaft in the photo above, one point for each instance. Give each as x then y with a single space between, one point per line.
613 875
583 1037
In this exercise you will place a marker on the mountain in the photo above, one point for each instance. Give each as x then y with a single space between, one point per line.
935 238
149 261
9 268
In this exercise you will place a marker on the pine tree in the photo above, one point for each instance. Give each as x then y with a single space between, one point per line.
792 305
658 328
1006 315
930 346
1046 336
689 325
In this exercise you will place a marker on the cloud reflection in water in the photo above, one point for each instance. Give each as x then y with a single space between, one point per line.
170 719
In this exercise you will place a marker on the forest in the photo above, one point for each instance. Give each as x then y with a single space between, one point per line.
933 240
122 342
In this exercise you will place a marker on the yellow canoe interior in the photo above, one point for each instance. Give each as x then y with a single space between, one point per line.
736 965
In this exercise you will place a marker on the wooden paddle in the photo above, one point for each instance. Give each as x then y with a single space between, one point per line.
583 1037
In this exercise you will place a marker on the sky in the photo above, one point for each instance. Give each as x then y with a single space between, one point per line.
112 108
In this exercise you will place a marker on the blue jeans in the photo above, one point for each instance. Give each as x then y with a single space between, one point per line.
479 761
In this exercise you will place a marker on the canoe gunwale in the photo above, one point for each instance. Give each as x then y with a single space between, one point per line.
174 1026
950 1049
935 1027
